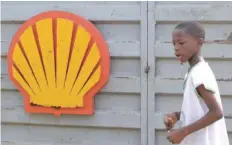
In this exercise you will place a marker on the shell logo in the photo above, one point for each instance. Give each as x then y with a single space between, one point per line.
58 61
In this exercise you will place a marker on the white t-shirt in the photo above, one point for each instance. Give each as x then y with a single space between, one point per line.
194 107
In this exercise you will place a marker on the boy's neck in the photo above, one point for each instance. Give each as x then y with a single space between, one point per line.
194 60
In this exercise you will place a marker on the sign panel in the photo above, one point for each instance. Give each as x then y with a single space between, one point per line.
58 61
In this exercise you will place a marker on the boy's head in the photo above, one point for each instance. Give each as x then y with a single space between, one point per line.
188 37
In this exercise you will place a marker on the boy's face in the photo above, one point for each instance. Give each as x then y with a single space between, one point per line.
185 45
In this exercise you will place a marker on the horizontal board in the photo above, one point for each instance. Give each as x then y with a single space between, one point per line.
120 42
116 48
213 51
25 143
103 101
125 67
219 67
102 12
172 86
120 31
208 12
118 84
157 3
111 119
69 135
159 125
45 143
31 143
161 137
162 101
107 3
124 31
118 66
212 31
115 119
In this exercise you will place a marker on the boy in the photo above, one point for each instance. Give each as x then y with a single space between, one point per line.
201 117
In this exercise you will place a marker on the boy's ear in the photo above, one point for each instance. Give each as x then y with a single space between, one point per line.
201 41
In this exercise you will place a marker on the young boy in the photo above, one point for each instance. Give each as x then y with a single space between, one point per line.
201 116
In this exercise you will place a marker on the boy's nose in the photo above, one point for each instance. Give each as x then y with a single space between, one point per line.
176 48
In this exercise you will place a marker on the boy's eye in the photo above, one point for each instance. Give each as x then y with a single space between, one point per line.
181 43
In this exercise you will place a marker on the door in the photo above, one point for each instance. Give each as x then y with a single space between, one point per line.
165 77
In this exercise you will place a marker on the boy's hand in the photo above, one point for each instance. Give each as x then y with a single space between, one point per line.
176 136
170 120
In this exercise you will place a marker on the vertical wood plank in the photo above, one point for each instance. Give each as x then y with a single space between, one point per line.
143 57
151 74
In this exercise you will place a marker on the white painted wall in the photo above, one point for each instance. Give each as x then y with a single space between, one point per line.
129 110
166 76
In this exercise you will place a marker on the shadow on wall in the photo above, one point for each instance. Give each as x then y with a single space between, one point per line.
226 41
230 37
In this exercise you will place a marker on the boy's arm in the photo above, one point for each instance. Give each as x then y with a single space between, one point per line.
214 114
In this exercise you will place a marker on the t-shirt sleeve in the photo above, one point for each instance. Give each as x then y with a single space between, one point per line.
202 76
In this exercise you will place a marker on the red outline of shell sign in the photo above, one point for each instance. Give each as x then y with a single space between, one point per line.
58 61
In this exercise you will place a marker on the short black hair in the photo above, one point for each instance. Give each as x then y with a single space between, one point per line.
192 28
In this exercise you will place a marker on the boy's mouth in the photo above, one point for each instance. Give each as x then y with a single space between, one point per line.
179 57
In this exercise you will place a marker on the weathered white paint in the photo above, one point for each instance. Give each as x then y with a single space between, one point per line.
166 76
117 48
119 66
100 12
223 30
202 12
130 108
163 100
219 66
69 134
151 75
174 86
143 80
121 44
217 51
158 124
104 101
114 84
120 107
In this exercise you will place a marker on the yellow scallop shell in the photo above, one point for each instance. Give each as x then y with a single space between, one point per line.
58 59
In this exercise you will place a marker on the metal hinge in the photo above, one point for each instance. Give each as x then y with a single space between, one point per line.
147 69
